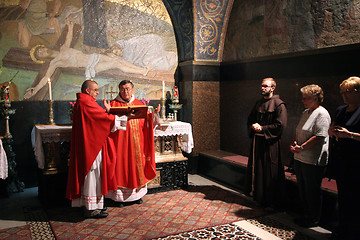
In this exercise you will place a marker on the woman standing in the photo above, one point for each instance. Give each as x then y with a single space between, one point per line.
345 157
310 150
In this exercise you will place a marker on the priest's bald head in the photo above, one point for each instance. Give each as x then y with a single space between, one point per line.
90 87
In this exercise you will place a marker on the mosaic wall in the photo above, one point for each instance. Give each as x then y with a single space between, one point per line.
211 17
181 15
263 28
73 40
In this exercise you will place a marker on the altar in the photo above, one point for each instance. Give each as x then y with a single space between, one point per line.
51 144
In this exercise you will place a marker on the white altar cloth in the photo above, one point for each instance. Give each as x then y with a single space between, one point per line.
55 133
45 134
3 162
177 128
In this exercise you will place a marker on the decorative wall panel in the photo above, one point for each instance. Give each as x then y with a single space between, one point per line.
210 27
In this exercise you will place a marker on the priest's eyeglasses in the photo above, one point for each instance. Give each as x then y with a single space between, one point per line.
125 89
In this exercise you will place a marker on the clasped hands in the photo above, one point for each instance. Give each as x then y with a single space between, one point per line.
338 132
295 148
257 127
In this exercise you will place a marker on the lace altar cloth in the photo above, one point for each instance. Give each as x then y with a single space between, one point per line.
55 133
45 134
177 128
3 162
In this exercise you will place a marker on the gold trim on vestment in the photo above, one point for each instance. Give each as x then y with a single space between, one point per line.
135 137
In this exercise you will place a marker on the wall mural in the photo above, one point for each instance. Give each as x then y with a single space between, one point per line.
68 41
263 28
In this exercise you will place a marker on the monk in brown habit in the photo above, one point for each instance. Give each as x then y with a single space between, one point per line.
266 122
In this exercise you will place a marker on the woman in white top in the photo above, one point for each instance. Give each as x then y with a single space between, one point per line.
310 150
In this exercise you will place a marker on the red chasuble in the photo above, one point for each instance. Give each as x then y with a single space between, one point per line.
90 129
135 148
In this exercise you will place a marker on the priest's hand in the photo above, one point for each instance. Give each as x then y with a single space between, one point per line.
107 105
133 114
157 109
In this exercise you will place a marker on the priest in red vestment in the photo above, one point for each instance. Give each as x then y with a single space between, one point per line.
135 151
89 154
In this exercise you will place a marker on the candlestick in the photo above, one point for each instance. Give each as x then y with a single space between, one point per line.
163 89
50 94
163 109
51 113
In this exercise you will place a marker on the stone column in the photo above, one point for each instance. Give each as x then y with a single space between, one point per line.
199 87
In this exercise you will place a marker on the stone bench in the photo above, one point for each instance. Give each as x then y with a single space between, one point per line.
230 169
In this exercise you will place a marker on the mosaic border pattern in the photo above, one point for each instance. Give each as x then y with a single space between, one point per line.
39 224
227 231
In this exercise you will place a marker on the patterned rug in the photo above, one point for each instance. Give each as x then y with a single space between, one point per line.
161 214
204 212
37 227
18 233
237 232
227 231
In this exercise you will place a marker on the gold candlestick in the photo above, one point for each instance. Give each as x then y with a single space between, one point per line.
51 113
163 110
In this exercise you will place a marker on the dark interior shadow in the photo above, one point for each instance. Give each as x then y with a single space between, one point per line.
215 193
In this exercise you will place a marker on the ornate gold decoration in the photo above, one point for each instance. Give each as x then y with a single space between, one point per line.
152 7
32 53
210 25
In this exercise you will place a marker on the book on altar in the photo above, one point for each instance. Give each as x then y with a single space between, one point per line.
128 109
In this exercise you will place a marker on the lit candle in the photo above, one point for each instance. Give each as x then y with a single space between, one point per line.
50 95
163 83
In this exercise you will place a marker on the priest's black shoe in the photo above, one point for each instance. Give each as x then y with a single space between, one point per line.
139 201
98 213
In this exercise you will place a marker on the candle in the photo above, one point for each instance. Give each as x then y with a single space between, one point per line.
163 89
50 95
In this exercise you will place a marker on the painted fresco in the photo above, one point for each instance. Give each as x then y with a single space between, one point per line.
68 41
260 28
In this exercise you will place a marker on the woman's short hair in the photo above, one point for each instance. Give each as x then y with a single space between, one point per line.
350 83
313 90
